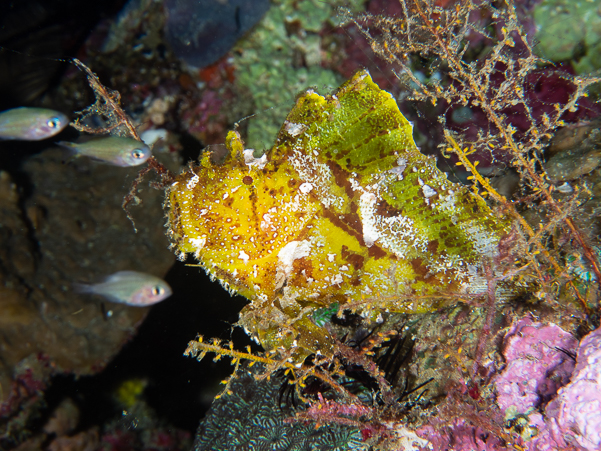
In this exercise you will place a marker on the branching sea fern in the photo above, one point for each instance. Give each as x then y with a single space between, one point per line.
114 121
325 368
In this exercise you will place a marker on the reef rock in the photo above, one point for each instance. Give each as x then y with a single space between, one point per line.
69 227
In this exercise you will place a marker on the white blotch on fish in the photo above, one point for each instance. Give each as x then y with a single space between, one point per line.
113 150
129 287
31 124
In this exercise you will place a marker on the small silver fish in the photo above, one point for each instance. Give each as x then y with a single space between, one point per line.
31 124
113 150
129 287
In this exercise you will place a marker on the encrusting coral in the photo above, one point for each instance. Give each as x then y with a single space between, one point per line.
254 416
550 389
538 363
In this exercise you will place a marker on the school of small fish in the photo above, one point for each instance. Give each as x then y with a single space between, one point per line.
133 288
35 124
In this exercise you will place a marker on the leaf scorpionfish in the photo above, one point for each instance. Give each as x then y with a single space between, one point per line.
344 209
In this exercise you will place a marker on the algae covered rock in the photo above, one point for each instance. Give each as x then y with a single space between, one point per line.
343 209
283 55
570 29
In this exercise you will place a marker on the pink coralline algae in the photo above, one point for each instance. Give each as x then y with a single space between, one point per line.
460 436
574 416
540 371
538 364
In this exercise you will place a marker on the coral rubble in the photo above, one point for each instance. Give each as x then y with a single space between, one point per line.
579 402
550 389
538 364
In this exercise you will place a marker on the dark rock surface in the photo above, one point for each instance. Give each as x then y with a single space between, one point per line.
64 224
202 31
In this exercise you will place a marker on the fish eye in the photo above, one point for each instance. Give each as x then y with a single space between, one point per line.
53 122
157 290
137 154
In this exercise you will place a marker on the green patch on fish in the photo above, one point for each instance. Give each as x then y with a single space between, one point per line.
321 316
31 124
129 287
113 150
